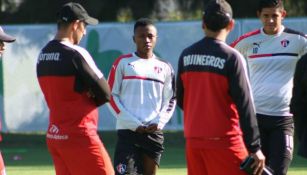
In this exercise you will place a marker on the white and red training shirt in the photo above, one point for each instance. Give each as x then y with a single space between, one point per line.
143 91
271 61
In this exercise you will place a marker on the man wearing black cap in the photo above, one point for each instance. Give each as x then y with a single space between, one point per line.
271 53
73 87
3 38
213 90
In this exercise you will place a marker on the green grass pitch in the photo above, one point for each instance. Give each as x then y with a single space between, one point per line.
26 154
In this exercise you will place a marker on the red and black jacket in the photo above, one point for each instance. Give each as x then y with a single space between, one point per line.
214 93
73 87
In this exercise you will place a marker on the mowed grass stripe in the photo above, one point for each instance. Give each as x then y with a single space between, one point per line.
33 157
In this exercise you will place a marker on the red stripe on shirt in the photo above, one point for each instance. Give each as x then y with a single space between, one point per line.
273 54
112 78
114 106
142 78
260 55
135 77
244 36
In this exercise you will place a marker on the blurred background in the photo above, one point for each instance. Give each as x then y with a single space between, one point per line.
42 11
33 23
23 111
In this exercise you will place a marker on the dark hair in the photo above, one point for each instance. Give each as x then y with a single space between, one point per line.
142 22
217 15
216 22
270 4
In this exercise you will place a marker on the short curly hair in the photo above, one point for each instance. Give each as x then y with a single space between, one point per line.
142 22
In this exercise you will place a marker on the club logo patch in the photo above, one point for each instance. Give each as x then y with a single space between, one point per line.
157 69
284 43
121 168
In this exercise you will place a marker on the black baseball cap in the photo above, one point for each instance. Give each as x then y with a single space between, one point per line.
4 37
74 11
217 14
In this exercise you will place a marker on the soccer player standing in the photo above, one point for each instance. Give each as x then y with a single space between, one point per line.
271 53
4 38
73 87
143 100
299 103
214 93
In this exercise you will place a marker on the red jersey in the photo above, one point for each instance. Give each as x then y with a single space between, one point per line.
214 93
73 88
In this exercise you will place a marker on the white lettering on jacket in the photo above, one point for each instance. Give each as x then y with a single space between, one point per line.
204 60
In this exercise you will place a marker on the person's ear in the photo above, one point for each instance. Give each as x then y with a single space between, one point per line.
258 13
203 25
75 25
283 14
231 25
133 38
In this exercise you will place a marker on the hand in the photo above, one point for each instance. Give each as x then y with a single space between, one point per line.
140 129
151 128
259 162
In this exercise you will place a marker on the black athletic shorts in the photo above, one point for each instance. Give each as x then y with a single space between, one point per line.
276 134
131 146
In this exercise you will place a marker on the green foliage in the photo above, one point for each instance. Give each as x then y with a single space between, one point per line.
44 11
124 15
104 59
296 8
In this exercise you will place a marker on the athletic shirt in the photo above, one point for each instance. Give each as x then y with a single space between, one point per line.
66 73
214 93
143 91
271 62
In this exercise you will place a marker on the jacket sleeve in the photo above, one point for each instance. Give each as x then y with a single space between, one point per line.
240 92
179 84
299 102
168 99
89 78
303 44
116 106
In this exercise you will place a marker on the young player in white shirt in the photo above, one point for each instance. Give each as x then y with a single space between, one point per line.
271 53
143 100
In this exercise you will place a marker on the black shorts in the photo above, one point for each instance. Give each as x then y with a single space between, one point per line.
276 134
131 146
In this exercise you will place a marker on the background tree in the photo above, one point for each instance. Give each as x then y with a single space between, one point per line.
43 11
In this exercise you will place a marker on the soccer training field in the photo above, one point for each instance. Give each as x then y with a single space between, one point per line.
26 154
